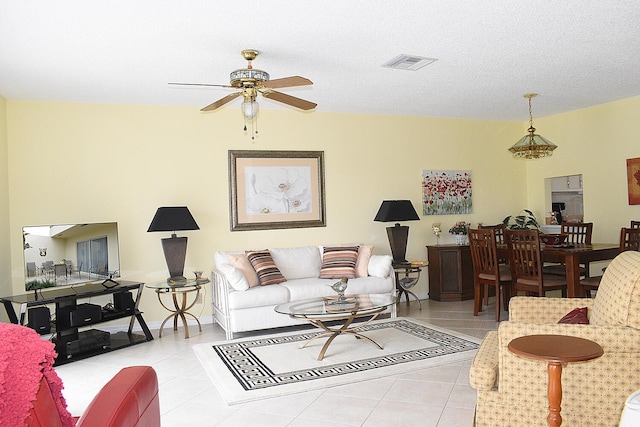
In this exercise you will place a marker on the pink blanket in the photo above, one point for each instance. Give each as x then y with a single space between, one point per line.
24 359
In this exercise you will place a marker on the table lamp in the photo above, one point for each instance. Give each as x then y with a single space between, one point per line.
395 211
174 218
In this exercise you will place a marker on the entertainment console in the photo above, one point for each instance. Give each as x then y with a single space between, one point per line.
70 343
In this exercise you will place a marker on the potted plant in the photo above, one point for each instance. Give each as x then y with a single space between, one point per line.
459 231
525 220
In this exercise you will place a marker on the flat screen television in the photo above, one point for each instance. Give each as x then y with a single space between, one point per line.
70 254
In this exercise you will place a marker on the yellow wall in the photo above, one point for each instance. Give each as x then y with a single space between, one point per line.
594 142
73 163
5 253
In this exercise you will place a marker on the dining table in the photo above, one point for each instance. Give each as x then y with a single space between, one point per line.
572 256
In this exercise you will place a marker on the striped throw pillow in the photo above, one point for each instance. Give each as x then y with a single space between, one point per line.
339 262
267 271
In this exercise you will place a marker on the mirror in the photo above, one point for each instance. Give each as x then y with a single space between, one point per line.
61 255
564 199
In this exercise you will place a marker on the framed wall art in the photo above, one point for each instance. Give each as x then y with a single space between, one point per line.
633 180
276 189
446 192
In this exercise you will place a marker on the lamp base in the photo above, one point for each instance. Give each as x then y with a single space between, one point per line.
175 253
398 237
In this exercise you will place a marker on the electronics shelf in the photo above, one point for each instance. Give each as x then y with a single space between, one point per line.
72 343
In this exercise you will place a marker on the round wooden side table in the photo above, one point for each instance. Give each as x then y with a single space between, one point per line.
556 350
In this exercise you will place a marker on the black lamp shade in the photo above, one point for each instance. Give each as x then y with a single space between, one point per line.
174 218
393 211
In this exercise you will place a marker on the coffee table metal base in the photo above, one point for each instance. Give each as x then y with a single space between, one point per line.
346 328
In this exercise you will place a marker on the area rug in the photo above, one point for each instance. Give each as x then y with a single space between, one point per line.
269 366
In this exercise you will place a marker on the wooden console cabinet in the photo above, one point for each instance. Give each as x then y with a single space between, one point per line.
450 272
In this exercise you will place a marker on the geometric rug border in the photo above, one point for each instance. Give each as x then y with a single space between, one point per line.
247 378
253 374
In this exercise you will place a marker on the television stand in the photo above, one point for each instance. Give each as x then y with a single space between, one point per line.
71 343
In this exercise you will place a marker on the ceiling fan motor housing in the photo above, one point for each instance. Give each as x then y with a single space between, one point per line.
248 77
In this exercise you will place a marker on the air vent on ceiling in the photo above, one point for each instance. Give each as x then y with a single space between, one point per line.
409 62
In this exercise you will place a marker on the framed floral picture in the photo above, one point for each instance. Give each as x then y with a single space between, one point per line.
633 180
276 189
446 192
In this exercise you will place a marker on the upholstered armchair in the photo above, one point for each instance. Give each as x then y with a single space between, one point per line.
512 390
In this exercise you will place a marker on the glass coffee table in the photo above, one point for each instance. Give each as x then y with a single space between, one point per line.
320 311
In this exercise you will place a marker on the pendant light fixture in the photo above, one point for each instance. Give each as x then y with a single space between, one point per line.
532 146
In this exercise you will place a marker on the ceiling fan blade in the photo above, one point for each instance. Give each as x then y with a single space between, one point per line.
289 100
287 82
198 84
220 102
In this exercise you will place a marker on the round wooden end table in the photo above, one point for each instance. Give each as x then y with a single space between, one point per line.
556 350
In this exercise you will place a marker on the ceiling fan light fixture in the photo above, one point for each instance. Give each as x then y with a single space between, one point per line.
249 108
532 145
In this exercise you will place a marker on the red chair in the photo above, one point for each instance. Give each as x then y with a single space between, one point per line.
130 398
31 390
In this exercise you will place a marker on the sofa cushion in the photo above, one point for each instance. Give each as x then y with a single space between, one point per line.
235 277
241 262
300 289
260 296
362 263
265 267
297 263
380 266
339 262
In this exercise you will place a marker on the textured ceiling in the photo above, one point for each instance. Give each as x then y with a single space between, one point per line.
574 54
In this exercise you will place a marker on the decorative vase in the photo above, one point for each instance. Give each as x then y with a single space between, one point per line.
461 239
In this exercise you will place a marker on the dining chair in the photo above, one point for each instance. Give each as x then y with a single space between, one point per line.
487 269
31 269
525 260
577 233
629 241
499 231
60 270
635 224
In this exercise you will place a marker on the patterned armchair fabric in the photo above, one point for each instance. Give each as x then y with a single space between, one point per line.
512 391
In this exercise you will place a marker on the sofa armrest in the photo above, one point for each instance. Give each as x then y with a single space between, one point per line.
544 310
130 398
483 374
613 339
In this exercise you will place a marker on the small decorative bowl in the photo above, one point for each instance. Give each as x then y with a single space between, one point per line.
553 239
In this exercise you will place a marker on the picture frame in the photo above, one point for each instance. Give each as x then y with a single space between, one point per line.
633 180
276 189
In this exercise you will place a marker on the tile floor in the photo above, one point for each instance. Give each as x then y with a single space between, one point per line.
432 397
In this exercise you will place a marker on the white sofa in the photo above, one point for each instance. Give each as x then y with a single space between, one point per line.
238 307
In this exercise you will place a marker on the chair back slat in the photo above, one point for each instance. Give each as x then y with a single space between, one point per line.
577 232
484 251
629 239
635 224
525 260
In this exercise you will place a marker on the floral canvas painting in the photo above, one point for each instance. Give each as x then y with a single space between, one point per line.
446 192
276 189
273 190
633 180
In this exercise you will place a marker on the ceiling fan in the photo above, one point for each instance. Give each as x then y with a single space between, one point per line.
253 81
